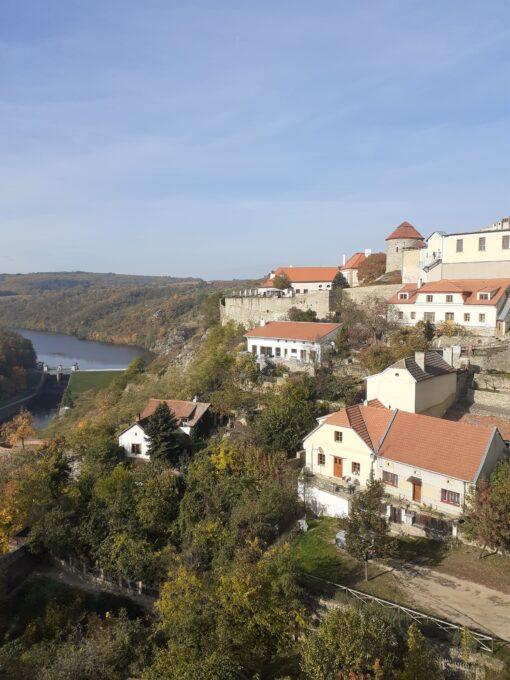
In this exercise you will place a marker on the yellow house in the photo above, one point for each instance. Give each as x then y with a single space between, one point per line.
425 383
428 465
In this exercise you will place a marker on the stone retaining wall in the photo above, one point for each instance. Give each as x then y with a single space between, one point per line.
363 293
489 398
250 311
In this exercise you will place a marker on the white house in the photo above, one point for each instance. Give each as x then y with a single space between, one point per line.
425 383
300 341
302 279
192 417
427 464
479 305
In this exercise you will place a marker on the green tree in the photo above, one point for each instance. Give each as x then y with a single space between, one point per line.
487 511
342 343
375 358
367 532
210 308
165 438
420 662
427 328
289 413
281 281
296 314
67 399
339 282
353 643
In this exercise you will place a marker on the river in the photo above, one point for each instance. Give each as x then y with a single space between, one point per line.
55 348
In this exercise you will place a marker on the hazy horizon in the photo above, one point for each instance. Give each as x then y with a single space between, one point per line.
219 140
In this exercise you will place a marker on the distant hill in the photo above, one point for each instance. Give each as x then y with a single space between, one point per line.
130 309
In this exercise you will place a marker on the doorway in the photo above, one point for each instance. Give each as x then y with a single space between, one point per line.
417 492
337 467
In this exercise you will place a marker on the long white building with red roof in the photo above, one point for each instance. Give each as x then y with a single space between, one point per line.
479 305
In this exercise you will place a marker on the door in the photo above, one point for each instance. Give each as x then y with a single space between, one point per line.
337 467
416 492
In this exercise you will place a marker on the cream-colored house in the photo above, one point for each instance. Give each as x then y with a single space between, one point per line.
428 465
350 268
482 306
425 383
479 254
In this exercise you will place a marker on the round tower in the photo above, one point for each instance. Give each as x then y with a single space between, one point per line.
404 237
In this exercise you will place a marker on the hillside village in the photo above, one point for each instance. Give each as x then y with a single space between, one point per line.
358 413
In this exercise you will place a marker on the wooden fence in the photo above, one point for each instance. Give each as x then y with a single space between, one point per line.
488 643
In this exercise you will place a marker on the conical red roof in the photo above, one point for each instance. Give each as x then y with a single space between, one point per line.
405 230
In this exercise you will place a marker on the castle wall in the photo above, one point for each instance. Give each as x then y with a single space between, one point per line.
363 293
251 310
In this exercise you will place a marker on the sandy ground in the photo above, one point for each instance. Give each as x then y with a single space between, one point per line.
457 600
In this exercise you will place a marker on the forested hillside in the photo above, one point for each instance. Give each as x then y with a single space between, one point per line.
16 357
136 310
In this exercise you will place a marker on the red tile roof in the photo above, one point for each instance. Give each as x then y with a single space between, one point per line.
304 275
442 446
293 330
460 416
468 288
354 261
405 230
449 448
189 411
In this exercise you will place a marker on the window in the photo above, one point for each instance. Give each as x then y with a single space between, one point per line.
356 468
339 436
320 285
505 242
481 318
413 315
321 459
450 497
401 315
449 316
429 316
402 296
136 449
449 298
429 298
305 290
483 296
467 317
481 243
460 245
390 478
277 352
293 350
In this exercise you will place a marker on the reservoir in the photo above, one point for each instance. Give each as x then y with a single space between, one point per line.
56 348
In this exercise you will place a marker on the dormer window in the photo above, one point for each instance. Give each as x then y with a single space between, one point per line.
403 296
483 296
449 298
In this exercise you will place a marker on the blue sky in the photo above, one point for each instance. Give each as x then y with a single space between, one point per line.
220 139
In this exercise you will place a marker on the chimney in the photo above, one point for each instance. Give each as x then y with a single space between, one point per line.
419 357
262 322
137 417
195 398
368 252
343 259
448 355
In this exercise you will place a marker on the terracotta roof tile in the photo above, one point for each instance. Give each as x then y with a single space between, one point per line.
293 330
189 411
453 449
354 261
405 230
304 275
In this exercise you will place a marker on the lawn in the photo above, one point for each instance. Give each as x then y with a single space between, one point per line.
91 380
318 556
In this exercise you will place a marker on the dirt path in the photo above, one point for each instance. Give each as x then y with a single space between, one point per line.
457 600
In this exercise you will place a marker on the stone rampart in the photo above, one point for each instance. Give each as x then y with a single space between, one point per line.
251 310
363 293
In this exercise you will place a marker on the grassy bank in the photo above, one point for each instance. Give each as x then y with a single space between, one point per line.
91 380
